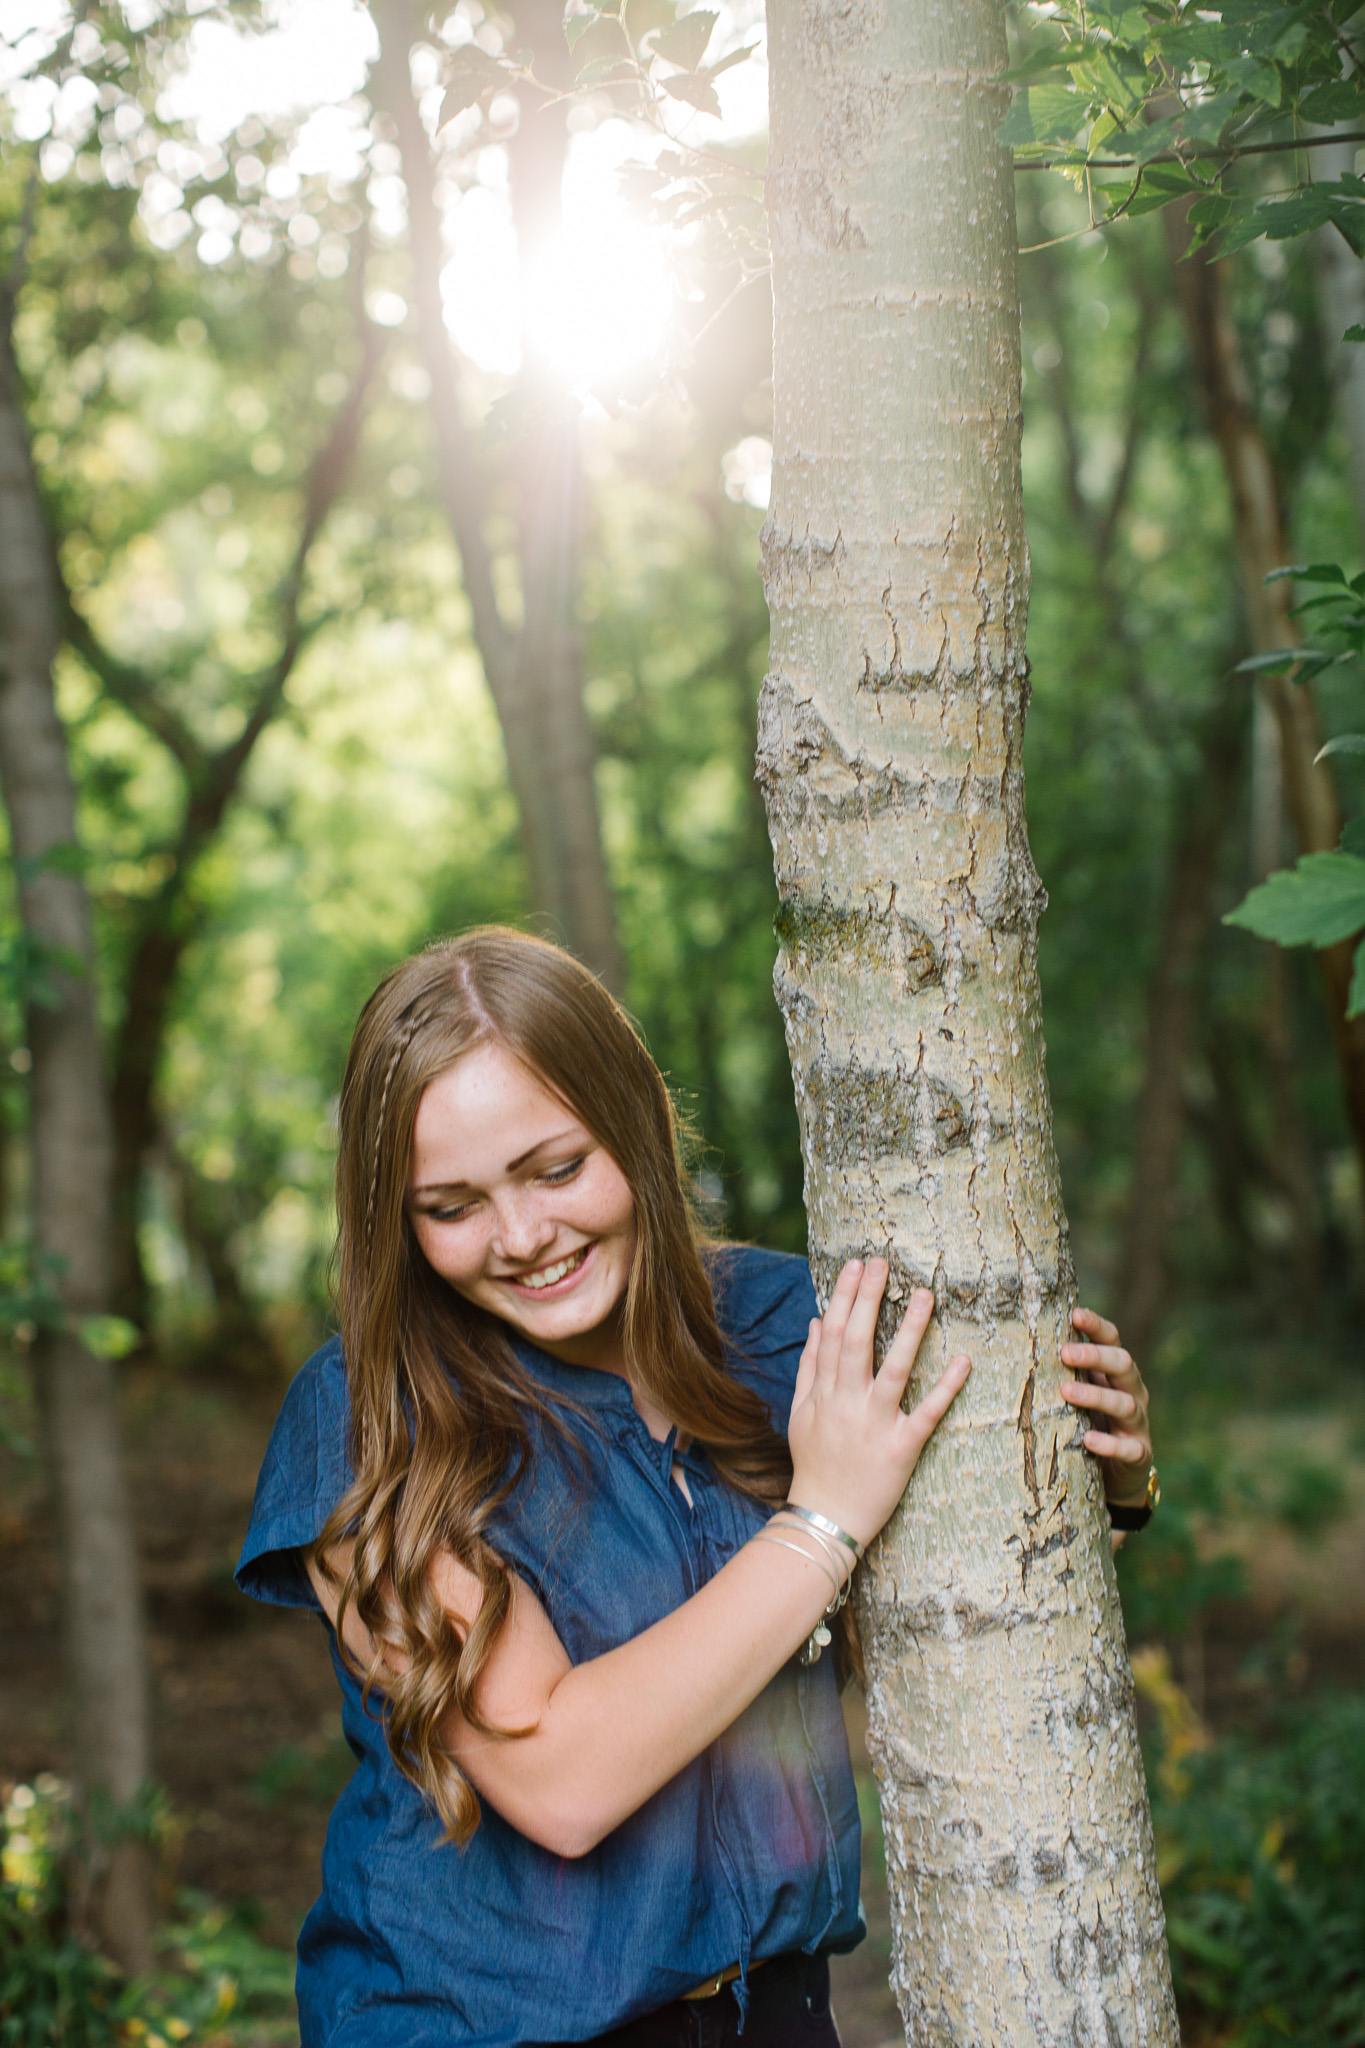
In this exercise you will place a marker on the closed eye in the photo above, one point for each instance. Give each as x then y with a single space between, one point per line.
558 1176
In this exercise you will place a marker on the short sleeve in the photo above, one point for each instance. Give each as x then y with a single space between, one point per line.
306 1472
764 1303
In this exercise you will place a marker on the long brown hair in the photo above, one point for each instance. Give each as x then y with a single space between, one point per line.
439 1401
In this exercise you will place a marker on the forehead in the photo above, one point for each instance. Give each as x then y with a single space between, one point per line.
481 1113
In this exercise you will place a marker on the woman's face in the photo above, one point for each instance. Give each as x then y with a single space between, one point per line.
517 1205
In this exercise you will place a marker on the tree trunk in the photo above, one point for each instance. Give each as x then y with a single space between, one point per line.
534 671
72 1155
1023 1879
1203 808
1341 304
168 922
1258 530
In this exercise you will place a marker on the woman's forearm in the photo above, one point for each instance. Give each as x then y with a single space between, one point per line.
616 1729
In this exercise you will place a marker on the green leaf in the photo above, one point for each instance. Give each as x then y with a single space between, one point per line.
1100 132
1353 836
1209 213
1356 333
1050 60
1310 572
1300 214
685 42
1316 903
1279 658
1161 183
578 19
109 1336
1289 42
1344 743
1355 1000
725 63
1327 104
1045 113
1260 80
695 91
469 73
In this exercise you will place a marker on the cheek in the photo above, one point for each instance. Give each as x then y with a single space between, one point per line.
448 1253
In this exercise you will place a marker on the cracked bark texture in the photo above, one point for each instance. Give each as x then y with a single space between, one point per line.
1019 1847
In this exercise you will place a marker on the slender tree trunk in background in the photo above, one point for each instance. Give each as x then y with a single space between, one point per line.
1019 1848
534 670
1203 809
72 1159
1310 795
169 922
1341 304
550 493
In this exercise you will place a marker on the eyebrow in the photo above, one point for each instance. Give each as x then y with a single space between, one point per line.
454 1187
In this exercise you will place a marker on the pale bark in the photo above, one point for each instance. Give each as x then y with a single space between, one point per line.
1258 532
533 666
72 1148
1023 1879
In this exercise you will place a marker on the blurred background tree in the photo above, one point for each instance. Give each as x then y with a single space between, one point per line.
225 386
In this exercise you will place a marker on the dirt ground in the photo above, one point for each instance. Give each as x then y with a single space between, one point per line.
247 1730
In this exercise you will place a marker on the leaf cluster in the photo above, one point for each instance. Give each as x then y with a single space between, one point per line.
1320 901
1177 96
56 1992
1261 1853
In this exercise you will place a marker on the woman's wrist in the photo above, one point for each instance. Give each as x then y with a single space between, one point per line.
814 1536
825 1527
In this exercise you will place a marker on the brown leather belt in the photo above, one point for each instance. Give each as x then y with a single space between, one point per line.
720 1980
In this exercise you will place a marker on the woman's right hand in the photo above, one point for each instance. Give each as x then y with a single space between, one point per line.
853 1448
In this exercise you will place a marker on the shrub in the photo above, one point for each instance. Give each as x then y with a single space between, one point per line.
1261 1855
222 1986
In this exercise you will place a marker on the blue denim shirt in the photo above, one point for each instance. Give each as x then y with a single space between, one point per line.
750 1851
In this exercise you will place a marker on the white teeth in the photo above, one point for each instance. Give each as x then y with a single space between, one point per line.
548 1275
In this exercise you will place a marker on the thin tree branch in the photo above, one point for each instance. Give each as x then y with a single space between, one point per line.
130 688
1173 156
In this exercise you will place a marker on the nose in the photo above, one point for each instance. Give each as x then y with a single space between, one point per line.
522 1231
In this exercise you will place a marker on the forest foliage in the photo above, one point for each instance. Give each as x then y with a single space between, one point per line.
291 771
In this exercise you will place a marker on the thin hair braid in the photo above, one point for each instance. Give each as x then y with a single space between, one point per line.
401 1044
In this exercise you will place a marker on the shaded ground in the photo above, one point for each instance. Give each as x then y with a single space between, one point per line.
247 1731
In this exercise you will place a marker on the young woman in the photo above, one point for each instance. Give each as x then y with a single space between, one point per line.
578 1497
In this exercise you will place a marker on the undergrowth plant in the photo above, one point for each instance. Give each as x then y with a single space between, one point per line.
219 1985
1261 1857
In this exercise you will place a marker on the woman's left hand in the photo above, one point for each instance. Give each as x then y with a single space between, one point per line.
1113 1389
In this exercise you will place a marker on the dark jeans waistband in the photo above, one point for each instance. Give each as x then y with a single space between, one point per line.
788 2008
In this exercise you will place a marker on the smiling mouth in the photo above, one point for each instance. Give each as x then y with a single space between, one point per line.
550 1276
